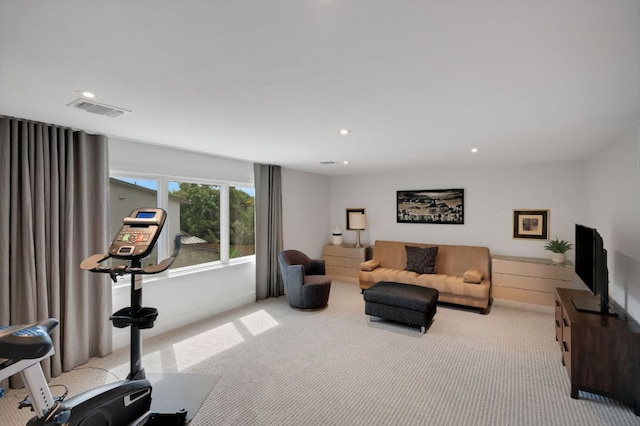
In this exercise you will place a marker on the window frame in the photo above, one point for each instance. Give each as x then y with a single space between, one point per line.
165 241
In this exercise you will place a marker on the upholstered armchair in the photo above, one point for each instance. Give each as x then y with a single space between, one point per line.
304 279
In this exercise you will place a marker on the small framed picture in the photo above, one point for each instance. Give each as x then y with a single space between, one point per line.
353 211
531 224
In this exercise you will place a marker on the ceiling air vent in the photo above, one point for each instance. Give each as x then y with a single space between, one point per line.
97 108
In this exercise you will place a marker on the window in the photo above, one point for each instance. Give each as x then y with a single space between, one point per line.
241 221
195 211
216 220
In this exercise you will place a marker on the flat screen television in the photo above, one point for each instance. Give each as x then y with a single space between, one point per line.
591 268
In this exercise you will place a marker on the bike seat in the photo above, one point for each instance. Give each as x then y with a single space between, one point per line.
26 341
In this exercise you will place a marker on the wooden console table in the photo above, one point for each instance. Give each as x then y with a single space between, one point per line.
342 262
601 352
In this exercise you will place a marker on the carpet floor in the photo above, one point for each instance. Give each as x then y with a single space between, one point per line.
277 366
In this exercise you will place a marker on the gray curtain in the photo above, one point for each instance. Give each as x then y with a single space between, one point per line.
53 214
268 230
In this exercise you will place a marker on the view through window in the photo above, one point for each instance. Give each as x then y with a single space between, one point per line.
241 222
194 211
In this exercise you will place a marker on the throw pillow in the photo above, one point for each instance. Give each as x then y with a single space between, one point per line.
473 276
369 265
421 260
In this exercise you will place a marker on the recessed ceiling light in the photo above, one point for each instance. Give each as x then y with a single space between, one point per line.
345 162
345 131
474 150
86 94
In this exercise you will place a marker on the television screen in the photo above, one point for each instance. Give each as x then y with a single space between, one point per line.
591 268
585 256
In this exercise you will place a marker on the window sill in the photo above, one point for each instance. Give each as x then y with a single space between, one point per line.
125 282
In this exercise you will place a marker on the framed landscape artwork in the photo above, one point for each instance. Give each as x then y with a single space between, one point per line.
531 224
444 206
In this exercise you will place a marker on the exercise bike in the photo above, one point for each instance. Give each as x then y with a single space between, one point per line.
126 402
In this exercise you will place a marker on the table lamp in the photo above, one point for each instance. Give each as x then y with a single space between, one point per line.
358 221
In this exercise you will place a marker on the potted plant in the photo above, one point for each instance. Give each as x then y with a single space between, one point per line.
558 247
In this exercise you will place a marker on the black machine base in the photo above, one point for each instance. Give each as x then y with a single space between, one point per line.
168 419
178 393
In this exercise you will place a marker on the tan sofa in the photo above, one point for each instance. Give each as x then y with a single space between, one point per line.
462 273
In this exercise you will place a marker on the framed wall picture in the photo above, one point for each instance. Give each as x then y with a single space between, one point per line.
445 206
531 224
353 211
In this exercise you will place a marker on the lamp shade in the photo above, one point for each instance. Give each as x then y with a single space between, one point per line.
358 220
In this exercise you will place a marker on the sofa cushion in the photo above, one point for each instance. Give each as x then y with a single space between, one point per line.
369 265
473 276
421 260
388 274
449 285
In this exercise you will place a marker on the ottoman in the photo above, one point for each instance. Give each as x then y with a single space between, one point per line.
406 303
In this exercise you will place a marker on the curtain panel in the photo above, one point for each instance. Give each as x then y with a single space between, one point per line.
268 184
53 214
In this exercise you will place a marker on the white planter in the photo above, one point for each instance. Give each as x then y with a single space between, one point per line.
336 236
558 257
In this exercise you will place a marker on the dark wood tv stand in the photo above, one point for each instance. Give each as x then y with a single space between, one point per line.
601 352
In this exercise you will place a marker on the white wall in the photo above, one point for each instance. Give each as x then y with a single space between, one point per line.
491 194
188 298
183 299
612 206
305 211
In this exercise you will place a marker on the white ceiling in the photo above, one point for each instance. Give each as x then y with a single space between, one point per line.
419 83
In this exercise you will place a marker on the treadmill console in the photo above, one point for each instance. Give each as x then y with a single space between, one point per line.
139 234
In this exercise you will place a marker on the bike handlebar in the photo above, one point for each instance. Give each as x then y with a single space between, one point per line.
92 264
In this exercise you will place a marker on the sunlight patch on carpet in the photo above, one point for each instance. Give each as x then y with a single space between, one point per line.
196 349
259 322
